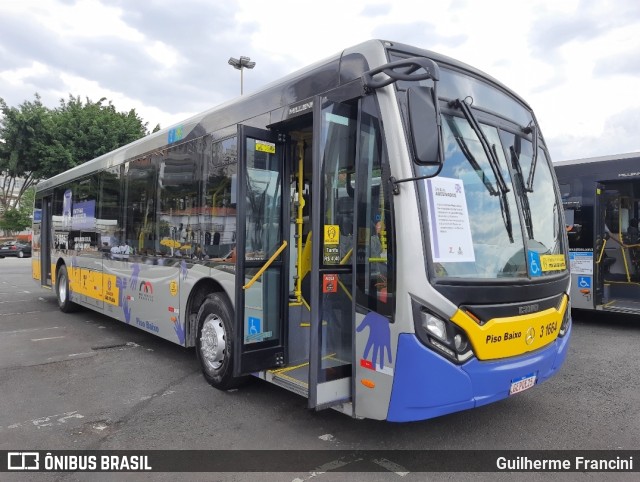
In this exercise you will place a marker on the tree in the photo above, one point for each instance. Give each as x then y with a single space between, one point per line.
18 219
27 201
37 142
27 139
15 220
92 129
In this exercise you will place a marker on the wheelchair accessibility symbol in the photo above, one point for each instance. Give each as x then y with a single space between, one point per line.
584 282
535 269
255 326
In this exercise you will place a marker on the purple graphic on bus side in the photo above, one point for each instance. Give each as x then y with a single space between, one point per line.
379 338
127 310
179 331
121 283
134 276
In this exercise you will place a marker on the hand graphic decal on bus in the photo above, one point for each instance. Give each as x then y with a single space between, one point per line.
379 338
134 276
179 331
127 310
183 269
121 283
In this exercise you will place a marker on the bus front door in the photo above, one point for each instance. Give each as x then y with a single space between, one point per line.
602 262
261 252
333 201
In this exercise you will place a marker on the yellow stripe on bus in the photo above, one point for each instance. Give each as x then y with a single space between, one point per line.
94 284
513 335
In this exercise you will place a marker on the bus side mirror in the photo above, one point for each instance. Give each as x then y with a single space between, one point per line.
424 125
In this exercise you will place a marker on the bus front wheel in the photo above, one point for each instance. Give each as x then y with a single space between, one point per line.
62 290
214 345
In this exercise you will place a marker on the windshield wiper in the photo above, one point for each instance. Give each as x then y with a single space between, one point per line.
506 215
532 129
515 161
491 155
472 160
504 205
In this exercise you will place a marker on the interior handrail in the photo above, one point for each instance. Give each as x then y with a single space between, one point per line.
347 257
604 243
257 276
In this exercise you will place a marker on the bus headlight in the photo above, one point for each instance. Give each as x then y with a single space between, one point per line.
460 343
434 325
442 336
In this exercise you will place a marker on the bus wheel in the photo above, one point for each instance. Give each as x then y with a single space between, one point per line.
62 290
214 345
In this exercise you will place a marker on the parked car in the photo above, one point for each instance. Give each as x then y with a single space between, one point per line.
15 248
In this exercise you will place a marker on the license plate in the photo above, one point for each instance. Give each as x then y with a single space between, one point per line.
521 384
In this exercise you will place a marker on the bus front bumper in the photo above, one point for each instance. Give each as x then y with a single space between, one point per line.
427 385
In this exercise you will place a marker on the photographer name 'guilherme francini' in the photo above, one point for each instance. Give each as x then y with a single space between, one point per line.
578 463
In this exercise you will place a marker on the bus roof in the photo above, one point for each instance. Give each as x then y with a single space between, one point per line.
589 160
267 106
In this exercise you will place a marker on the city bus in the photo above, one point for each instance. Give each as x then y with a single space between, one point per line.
601 202
379 232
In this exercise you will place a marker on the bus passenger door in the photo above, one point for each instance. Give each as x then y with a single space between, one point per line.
600 262
45 242
331 298
261 252
607 253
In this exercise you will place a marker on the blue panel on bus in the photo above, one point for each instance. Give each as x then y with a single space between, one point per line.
535 266
255 325
584 281
176 134
426 385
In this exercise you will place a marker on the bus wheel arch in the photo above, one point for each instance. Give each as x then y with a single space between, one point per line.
63 293
200 291
214 340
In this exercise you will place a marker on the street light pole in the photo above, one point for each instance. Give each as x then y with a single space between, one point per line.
242 63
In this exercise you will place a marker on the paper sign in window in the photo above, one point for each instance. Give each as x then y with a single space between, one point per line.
451 239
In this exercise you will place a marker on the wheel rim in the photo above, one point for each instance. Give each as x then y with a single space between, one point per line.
20 254
213 342
62 288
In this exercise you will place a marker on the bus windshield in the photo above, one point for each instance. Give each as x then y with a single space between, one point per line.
487 211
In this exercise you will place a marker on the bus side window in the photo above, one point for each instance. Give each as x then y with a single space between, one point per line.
111 210
140 213
221 163
375 276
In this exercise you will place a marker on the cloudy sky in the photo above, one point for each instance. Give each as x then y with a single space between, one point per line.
577 62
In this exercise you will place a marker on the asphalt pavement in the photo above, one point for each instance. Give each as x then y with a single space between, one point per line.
82 381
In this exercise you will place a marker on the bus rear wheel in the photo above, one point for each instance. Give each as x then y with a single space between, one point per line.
214 345
62 290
